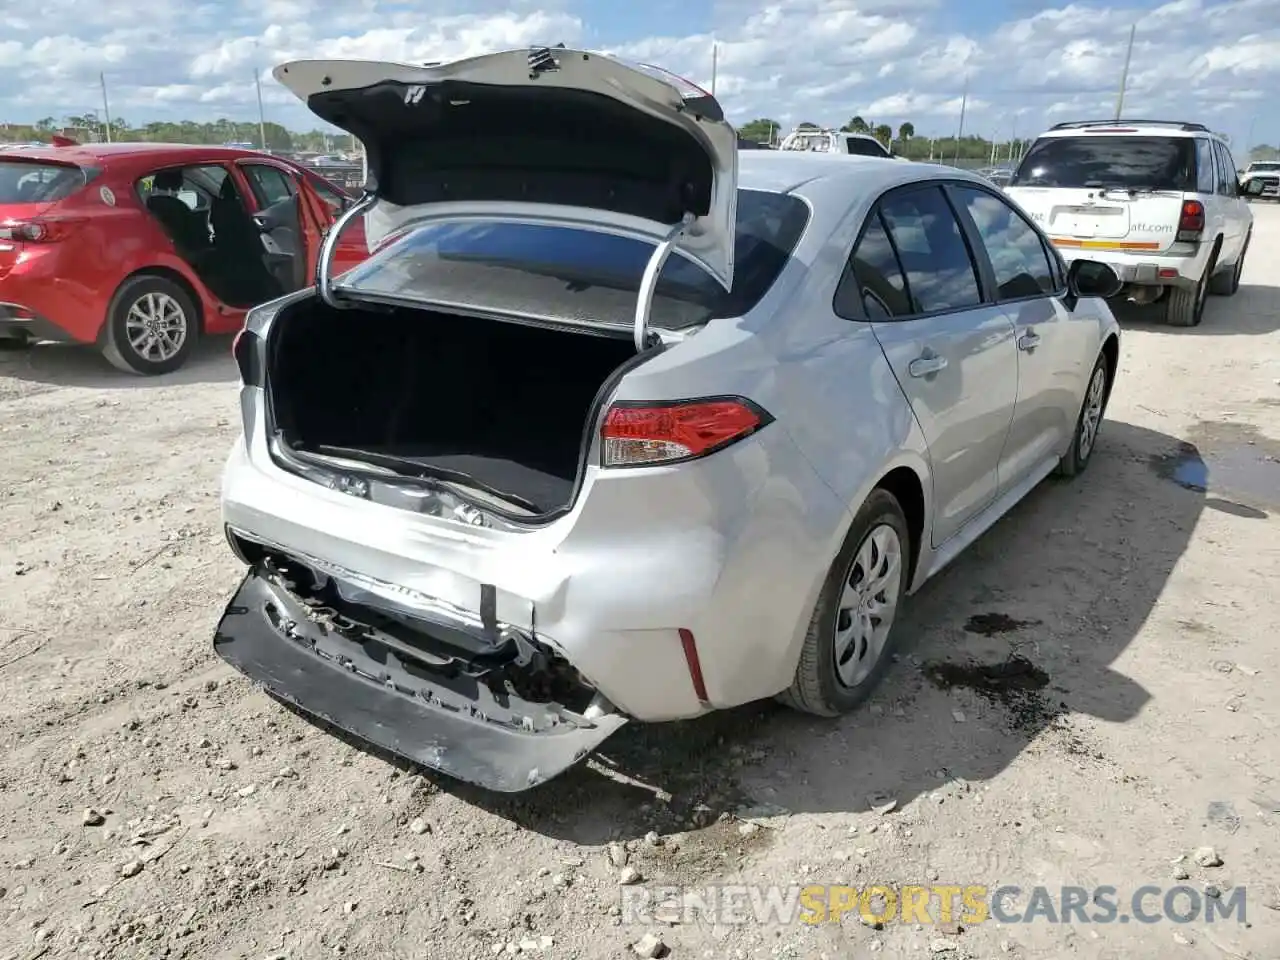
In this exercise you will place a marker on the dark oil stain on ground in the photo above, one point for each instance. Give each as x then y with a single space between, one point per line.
1016 684
990 624
1230 459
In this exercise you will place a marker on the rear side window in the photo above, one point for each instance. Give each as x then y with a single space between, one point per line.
862 147
1206 167
874 278
1105 160
24 181
934 256
568 273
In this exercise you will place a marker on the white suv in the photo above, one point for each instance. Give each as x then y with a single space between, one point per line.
1157 200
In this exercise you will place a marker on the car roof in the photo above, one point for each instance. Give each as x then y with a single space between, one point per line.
1171 128
785 171
89 154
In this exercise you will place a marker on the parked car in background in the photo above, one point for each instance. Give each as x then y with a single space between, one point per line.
1266 172
1158 201
141 248
808 140
569 452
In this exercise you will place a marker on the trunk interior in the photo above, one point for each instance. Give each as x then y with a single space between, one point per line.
504 404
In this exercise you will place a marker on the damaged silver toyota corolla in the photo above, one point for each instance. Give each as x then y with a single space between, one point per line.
604 431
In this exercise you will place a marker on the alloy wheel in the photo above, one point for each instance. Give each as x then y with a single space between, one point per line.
1091 418
156 327
867 605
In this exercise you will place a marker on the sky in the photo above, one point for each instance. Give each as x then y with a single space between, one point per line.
1027 64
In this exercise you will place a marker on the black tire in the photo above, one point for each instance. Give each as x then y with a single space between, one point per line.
817 687
149 292
1225 284
1078 457
1186 306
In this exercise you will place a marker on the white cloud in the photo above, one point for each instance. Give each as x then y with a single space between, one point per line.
791 60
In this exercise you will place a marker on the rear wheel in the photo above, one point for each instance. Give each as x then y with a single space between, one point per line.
1186 306
847 648
1226 284
151 326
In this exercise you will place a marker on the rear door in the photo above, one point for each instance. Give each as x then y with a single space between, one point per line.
1103 190
274 184
1233 211
913 275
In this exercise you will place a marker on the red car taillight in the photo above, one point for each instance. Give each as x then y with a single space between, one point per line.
36 231
647 434
1191 222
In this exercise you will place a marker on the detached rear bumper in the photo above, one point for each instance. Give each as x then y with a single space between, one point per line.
368 683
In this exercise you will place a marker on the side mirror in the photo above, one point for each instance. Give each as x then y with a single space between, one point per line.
1252 187
1091 278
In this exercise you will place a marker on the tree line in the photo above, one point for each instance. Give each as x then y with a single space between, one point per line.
88 127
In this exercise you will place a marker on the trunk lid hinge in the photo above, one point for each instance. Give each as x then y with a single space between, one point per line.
649 283
324 263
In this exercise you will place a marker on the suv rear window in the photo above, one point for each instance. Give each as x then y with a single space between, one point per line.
566 273
26 181
1127 162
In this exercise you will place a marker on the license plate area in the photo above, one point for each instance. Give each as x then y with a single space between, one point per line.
1088 222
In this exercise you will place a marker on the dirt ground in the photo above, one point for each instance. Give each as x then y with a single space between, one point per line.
1141 597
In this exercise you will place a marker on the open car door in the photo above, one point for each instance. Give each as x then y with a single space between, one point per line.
317 219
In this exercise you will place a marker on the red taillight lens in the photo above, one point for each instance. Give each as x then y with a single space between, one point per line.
34 231
643 434
1192 220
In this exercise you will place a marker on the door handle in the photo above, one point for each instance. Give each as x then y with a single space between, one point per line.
926 365
1029 340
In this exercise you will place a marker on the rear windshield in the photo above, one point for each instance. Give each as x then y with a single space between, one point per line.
1132 163
571 274
25 181
862 147
1265 165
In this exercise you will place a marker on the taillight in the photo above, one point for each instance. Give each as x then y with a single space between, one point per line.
247 350
1191 222
35 231
643 434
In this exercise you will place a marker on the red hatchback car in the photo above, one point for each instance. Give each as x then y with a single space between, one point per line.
140 248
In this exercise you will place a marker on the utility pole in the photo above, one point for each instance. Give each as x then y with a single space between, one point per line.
1124 77
964 102
106 106
715 56
262 119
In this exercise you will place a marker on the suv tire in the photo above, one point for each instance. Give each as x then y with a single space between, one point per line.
1186 306
1225 284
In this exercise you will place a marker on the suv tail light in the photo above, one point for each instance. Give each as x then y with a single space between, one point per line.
647 434
1191 222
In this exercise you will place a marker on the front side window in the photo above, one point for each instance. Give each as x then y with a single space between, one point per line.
1226 171
1119 161
935 258
270 184
1017 256
862 147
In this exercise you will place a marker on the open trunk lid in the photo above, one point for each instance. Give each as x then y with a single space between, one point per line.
545 136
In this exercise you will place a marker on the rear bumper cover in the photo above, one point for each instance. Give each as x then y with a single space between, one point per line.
1144 270
367 688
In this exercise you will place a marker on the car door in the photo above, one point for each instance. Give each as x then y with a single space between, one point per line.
1236 213
273 186
1225 216
952 353
1055 354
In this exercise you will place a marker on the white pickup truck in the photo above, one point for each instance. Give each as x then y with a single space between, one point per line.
835 141
1268 171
